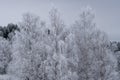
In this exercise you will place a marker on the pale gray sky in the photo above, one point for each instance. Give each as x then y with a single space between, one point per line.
107 12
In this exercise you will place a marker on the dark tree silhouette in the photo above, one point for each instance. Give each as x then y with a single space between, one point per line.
6 30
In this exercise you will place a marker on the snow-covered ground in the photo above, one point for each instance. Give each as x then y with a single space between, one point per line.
8 77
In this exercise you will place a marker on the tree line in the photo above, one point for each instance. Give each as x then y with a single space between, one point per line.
55 51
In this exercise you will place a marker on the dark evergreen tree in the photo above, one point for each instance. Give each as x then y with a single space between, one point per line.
7 30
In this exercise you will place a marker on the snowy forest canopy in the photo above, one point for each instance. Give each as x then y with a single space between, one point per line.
36 50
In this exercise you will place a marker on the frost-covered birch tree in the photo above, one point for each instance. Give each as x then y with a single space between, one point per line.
29 50
5 55
57 67
95 61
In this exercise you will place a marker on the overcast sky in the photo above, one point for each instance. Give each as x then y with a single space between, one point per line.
107 12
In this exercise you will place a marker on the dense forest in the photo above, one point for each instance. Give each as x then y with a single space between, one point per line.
35 49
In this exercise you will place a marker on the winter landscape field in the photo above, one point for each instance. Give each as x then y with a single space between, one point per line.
59 40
